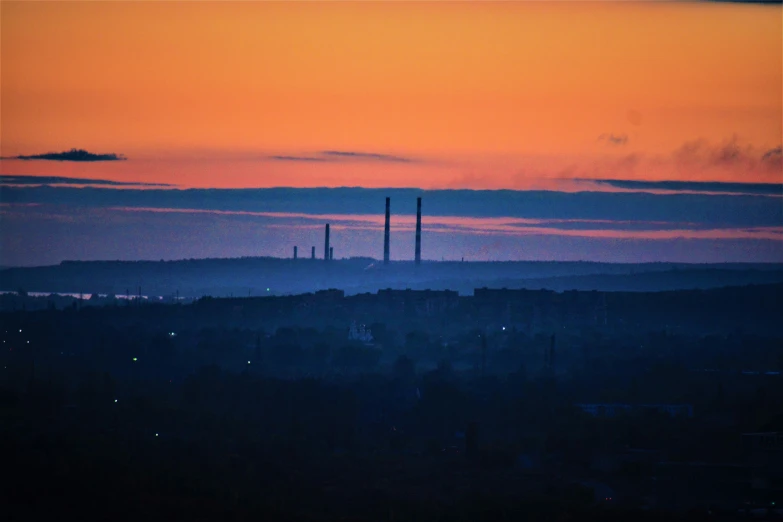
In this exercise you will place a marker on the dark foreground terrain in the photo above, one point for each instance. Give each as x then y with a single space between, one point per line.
504 405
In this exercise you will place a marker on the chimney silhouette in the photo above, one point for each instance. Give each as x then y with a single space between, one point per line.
331 253
296 252
418 231
326 244
386 233
312 252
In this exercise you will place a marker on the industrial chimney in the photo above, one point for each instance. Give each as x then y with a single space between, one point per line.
331 253
326 244
386 234
296 252
418 231
312 252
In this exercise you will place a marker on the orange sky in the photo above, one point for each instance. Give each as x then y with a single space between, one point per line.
490 95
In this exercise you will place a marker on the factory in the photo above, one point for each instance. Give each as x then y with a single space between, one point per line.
329 250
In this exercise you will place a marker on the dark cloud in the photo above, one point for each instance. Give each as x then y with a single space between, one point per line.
365 156
72 155
340 155
773 159
708 209
734 155
773 153
729 154
60 180
297 158
611 139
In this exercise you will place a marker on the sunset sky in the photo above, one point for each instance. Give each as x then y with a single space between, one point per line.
514 95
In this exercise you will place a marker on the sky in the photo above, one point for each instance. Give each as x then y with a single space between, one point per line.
551 99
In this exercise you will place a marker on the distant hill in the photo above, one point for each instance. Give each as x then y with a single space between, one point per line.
275 276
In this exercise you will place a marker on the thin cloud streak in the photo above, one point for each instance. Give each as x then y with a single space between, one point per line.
366 156
342 156
485 226
297 158
23 180
710 211
612 139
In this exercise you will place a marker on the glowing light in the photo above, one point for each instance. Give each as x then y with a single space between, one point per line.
266 290
135 359
504 328
156 434
20 331
248 362
115 400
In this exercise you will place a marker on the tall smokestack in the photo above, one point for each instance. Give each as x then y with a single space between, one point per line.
418 231
312 252
331 253
296 252
386 233
326 244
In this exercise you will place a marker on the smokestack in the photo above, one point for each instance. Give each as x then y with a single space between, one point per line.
418 231
331 253
386 234
296 252
312 253
326 244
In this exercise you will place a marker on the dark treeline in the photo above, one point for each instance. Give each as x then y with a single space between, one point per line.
396 406
243 277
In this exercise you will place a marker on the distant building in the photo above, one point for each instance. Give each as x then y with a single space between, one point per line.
535 307
764 441
423 303
332 297
359 332
332 293
763 453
